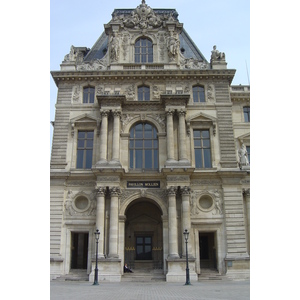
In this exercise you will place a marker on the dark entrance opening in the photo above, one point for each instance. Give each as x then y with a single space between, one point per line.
208 259
79 250
143 248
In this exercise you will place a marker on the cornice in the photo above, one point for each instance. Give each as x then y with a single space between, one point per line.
109 75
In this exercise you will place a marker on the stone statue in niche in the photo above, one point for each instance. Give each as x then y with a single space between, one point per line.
243 156
114 47
216 55
173 44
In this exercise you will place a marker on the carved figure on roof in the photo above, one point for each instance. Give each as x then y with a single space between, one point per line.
72 55
216 55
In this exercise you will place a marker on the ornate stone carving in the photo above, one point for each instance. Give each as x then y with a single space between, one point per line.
94 65
210 93
172 191
114 47
243 156
186 190
114 191
76 94
192 63
130 92
173 45
142 17
101 191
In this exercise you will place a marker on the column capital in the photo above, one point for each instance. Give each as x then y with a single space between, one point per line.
186 190
116 113
170 112
181 112
101 191
104 112
172 191
114 191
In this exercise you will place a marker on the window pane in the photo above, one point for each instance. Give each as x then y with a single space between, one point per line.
139 249
197 143
89 158
155 144
81 134
144 59
139 240
79 159
205 133
92 95
196 134
148 131
148 144
89 143
198 158
207 160
150 58
147 240
139 144
147 248
80 144
138 159
155 152
139 131
206 143
148 159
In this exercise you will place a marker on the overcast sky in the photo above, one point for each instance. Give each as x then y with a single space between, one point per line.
222 23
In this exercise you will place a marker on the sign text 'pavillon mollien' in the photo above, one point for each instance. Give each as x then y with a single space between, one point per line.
143 184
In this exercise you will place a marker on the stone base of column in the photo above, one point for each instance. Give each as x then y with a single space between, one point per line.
101 163
177 270
115 164
109 270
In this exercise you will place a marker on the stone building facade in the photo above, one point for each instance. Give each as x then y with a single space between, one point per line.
149 139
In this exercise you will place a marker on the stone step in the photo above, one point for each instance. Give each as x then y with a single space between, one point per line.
209 274
142 276
80 275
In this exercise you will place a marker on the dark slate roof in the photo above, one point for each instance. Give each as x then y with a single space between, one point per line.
187 46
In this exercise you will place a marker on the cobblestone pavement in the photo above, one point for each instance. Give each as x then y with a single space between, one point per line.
210 290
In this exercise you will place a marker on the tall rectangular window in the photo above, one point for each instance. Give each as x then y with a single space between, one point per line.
85 143
198 94
247 113
202 148
88 95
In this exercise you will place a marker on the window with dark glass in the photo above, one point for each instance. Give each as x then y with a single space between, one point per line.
143 147
143 51
85 141
143 93
198 94
202 148
247 113
248 152
88 95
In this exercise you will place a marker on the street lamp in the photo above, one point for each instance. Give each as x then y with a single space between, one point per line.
187 276
97 234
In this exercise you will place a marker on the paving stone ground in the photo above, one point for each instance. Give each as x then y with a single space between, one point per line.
210 290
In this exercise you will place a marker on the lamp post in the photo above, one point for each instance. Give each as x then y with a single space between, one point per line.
97 234
187 276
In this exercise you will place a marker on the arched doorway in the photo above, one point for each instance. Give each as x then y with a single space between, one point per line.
143 235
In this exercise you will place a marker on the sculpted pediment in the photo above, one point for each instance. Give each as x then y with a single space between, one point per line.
85 121
201 117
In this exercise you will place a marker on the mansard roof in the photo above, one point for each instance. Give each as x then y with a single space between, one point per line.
187 46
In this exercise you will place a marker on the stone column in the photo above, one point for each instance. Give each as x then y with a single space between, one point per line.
114 223
100 219
103 136
173 233
182 135
116 137
186 219
170 136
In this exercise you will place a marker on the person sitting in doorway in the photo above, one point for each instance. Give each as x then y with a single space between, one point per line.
127 270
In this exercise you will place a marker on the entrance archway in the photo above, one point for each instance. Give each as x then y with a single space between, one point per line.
143 235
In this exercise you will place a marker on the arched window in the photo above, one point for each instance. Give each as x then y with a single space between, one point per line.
143 93
88 94
143 51
143 147
198 94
